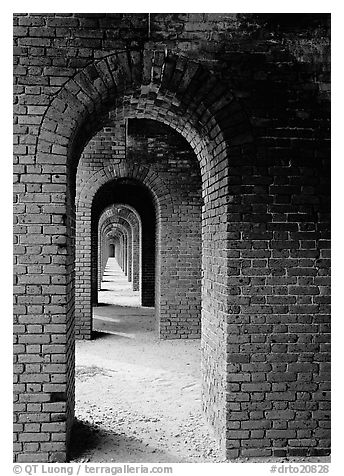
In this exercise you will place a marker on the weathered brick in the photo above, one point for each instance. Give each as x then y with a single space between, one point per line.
262 165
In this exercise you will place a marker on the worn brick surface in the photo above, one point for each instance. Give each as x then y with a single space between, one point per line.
250 95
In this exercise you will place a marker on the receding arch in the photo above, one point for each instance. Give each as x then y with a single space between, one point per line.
103 227
112 251
114 237
109 228
85 240
130 214
159 189
140 197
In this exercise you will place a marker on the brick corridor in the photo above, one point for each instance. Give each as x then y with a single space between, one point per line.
115 288
126 380
138 398
119 307
199 145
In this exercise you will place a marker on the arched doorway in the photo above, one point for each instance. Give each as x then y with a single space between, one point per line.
190 105
131 219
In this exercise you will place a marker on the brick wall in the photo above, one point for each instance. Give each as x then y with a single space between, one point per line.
250 94
154 145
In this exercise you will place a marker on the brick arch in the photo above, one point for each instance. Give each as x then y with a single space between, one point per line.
114 234
128 208
120 224
114 237
190 99
159 190
158 85
113 231
133 218
86 241
103 227
124 228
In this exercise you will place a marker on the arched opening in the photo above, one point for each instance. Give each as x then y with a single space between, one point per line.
170 255
111 221
169 172
265 218
111 206
208 118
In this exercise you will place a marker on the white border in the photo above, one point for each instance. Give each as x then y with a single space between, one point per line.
337 184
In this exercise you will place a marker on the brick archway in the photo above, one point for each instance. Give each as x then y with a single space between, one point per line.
133 218
85 238
116 239
169 88
110 227
103 229
114 235
182 94
150 179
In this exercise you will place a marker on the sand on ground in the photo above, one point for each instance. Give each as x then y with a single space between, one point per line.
138 398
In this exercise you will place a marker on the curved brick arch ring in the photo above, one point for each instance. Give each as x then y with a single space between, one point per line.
126 233
98 264
86 275
130 214
161 194
121 223
165 87
184 95
115 238
113 232
112 208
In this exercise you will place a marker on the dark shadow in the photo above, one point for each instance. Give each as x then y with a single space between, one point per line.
99 335
88 439
85 437
128 324
122 306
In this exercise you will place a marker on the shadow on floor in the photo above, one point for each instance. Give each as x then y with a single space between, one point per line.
99 335
85 437
90 442
133 325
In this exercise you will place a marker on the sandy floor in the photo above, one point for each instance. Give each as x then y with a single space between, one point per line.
138 397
